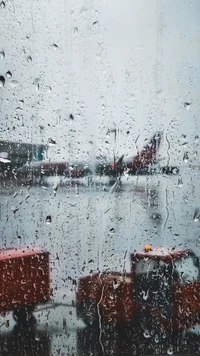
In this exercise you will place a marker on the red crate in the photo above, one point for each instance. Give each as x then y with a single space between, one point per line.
25 278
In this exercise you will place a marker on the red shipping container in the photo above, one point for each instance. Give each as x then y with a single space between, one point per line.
24 279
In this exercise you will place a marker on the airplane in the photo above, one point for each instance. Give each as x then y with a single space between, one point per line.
145 162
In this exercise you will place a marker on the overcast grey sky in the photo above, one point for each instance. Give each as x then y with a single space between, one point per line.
129 62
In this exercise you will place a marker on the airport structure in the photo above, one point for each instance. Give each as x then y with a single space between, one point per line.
20 152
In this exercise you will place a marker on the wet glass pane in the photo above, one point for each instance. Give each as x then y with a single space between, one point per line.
99 177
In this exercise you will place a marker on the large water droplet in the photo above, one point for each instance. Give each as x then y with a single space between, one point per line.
170 350
29 59
2 55
48 219
14 209
14 83
147 334
175 170
187 105
55 46
185 157
9 74
196 216
184 143
156 339
156 216
51 142
2 81
2 4
145 294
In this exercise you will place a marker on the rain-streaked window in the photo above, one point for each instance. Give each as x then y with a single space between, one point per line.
99 177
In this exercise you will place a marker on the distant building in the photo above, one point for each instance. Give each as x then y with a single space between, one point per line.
20 152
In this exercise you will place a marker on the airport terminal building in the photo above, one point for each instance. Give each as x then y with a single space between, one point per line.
20 152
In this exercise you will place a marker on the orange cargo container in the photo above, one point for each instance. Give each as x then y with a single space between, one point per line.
24 279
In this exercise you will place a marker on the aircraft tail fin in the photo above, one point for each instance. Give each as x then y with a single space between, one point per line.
148 155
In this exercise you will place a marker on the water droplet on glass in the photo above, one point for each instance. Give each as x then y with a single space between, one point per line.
2 81
9 74
160 92
77 190
185 157
51 142
48 219
14 83
83 10
71 117
29 59
145 295
187 105
27 196
64 323
14 209
36 84
170 350
196 138
147 334
55 47
112 230
196 216
15 194
37 338
175 170
2 55
156 339
44 188
180 182
56 184
2 4
184 143
156 216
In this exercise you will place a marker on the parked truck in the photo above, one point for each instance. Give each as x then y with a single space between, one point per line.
161 291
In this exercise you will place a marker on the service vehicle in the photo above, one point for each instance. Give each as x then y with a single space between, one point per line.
24 282
162 290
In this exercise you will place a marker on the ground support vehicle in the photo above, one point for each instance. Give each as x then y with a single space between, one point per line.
24 282
161 294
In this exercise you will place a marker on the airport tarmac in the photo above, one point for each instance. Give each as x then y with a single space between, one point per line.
93 227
